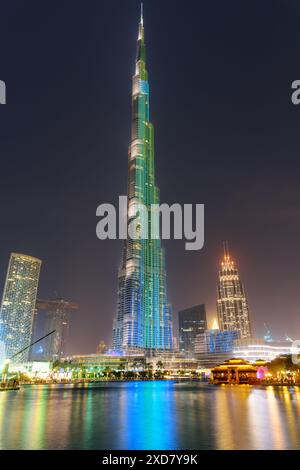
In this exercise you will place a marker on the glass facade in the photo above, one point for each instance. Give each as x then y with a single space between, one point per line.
192 322
253 349
215 341
56 318
144 317
232 306
18 305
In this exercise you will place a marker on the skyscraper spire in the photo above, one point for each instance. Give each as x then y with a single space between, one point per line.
226 249
141 50
142 19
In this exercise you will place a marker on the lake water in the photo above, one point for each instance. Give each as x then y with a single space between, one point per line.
150 415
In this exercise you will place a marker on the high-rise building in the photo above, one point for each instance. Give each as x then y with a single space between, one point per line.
192 322
232 306
56 318
143 318
18 305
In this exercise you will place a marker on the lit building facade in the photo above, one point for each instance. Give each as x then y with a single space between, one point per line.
18 305
107 361
235 371
173 361
192 322
214 346
143 318
165 360
257 349
56 318
216 341
232 306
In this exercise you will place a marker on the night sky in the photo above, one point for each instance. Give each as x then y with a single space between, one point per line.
227 135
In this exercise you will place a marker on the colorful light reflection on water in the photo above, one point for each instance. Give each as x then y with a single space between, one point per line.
150 415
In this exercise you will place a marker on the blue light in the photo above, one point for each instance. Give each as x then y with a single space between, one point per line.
144 87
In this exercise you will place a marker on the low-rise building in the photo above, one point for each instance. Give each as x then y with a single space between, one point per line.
215 341
235 371
255 349
106 361
214 346
172 361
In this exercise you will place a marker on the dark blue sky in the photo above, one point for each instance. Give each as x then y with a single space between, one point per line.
227 135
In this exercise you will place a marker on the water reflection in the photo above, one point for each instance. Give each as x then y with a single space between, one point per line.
150 415
146 413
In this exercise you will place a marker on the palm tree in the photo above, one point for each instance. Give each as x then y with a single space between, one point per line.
159 374
122 368
107 372
83 372
149 369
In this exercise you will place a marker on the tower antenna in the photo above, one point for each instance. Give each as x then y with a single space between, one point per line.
226 248
142 8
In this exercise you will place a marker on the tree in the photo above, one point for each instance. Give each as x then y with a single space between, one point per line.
149 370
283 365
159 374
107 372
143 374
129 374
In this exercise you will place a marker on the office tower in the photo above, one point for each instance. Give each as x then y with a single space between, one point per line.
18 305
143 318
56 318
192 321
215 341
232 306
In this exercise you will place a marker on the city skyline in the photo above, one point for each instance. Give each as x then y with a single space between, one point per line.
247 178
137 138
227 319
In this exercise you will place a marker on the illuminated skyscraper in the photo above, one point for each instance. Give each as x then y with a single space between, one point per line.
233 311
143 318
57 318
18 304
